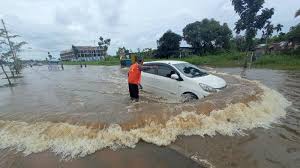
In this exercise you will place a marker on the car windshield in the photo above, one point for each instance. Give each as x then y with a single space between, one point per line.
190 70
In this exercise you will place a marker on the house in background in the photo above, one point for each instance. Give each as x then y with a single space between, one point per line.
260 50
278 47
185 49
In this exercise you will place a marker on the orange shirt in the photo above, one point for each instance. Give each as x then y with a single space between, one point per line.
134 74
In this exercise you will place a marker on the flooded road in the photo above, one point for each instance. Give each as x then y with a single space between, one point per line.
80 113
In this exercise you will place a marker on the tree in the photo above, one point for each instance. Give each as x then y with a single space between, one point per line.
76 54
294 34
3 70
122 52
240 43
278 28
297 13
103 45
50 56
207 35
11 49
148 52
253 17
223 38
268 29
280 37
168 44
267 32
2 66
8 55
75 51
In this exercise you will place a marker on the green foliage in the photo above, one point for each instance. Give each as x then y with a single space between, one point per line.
239 43
252 18
207 36
237 59
18 66
104 44
75 51
168 44
148 53
268 30
279 61
7 53
122 51
278 28
280 37
112 59
226 59
294 34
297 13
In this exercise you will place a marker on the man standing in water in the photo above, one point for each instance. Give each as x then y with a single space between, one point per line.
134 78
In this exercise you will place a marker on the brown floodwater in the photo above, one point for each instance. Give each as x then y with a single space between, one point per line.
84 118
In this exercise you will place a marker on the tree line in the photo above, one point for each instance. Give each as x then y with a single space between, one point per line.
210 36
205 36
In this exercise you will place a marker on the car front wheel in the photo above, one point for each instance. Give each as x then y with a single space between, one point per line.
188 97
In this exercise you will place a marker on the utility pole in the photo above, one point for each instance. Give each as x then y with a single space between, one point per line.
9 42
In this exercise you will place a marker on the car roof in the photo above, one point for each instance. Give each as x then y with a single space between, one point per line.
171 62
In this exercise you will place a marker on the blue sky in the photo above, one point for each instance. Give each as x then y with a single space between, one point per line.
54 25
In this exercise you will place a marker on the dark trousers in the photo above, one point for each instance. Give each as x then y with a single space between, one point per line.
134 91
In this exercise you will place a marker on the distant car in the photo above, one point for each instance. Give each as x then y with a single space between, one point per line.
178 79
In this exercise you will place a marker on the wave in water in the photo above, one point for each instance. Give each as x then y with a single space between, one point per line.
71 141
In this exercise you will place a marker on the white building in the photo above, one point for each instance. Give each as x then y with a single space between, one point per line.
85 53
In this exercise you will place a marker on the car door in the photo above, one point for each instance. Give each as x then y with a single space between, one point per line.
165 85
148 80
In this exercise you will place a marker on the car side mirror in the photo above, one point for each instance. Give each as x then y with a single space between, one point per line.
174 76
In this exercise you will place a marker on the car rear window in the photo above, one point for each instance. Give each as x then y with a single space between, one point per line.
150 70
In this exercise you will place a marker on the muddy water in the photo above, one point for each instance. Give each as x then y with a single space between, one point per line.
77 112
278 146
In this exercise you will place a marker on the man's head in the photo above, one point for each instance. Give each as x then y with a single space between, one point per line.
140 60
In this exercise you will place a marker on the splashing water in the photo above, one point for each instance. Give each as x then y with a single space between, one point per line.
71 140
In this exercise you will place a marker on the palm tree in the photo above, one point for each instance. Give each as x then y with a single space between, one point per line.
297 13
278 28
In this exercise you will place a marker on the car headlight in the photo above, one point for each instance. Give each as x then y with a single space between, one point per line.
207 88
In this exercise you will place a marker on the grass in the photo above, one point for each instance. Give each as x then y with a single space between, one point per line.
221 60
233 59
279 61
230 59
237 59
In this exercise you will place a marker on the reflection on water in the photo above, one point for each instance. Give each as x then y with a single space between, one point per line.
79 111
